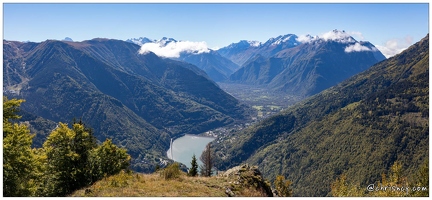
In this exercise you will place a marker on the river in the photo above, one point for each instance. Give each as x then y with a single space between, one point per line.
185 147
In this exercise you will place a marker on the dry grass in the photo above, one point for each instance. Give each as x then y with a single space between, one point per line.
251 192
152 185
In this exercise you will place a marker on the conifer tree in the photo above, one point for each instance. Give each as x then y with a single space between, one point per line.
193 171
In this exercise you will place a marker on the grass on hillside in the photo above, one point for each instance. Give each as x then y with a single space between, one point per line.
128 184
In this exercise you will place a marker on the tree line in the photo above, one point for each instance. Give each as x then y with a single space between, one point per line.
70 158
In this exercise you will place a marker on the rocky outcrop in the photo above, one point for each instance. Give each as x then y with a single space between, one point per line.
244 178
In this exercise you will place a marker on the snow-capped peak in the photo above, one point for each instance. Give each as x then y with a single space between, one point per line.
335 35
244 44
338 36
165 41
139 41
282 39
143 40
254 43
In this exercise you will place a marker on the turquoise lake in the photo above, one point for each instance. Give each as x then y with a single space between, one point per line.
185 147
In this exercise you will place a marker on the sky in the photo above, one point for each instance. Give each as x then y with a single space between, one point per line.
390 27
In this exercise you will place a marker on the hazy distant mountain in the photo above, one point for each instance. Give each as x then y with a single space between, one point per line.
68 39
217 67
359 127
139 41
143 40
309 67
139 100
244 50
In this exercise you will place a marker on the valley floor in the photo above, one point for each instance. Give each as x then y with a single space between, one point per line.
264 101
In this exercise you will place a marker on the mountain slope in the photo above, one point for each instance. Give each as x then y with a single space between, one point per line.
310 67
217 67
259 70
360 127
138 100
185 80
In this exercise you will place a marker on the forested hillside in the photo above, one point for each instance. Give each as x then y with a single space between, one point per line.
360 127
140 101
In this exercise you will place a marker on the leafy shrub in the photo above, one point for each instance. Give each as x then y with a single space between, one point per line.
283 187
171 172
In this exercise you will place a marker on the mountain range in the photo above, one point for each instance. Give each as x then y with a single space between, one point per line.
138 100
302 66
291 64
362 113
217 67
359 128
244 50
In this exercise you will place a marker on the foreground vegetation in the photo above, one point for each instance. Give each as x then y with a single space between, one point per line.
392 184
128 184
69 159
242 181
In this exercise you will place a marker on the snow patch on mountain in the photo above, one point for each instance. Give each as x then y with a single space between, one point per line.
254 43
139 41
335 35
282 39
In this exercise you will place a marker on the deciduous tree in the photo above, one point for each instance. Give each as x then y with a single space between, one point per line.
206 159
108 159
18 157
283 186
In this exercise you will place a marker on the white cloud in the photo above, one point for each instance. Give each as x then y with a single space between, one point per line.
395 46
356 48
215 48
173 49
336 35
305 38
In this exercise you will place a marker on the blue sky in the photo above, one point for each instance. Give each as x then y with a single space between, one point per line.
391 26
